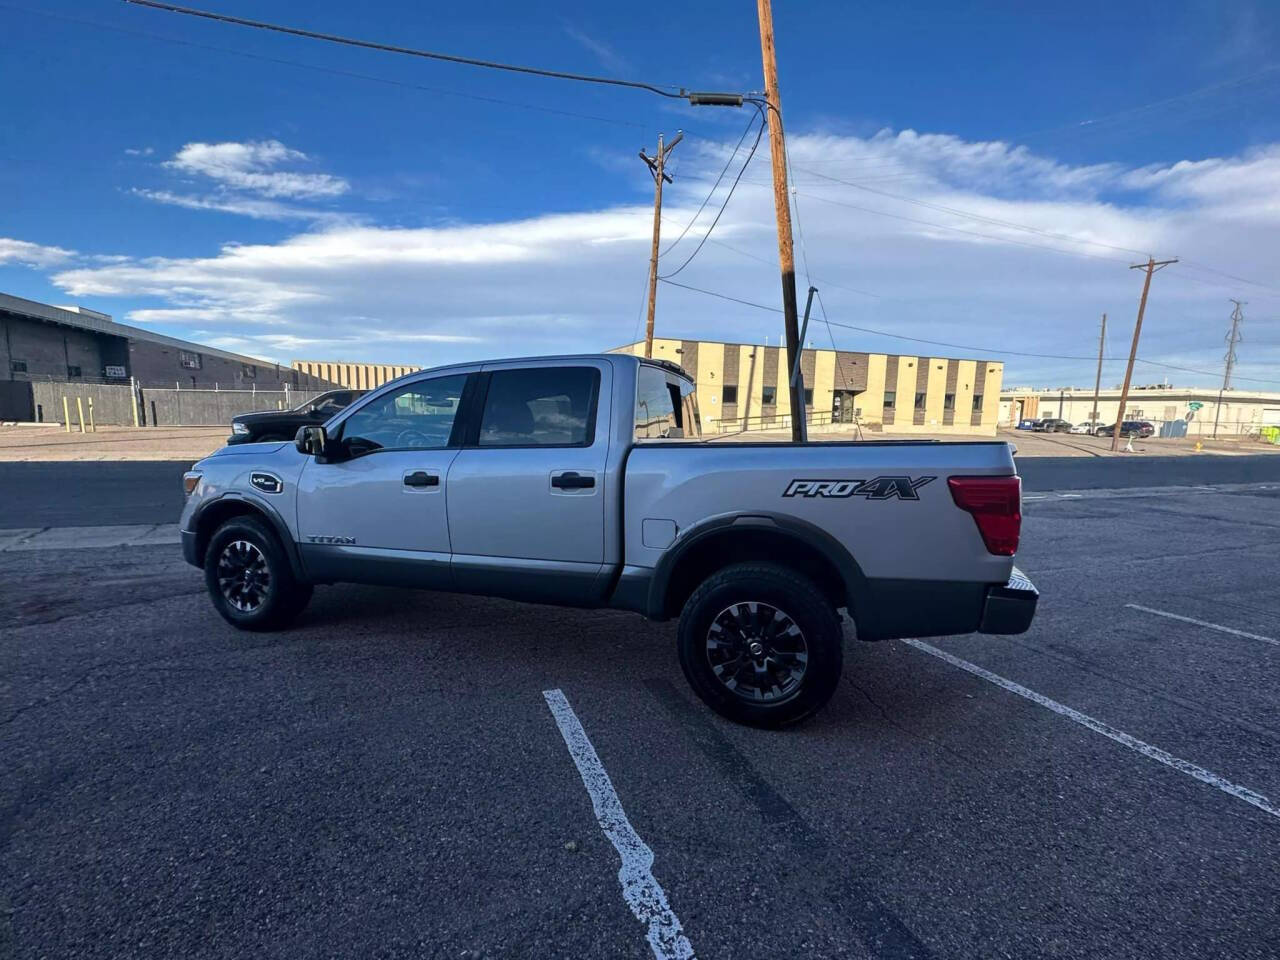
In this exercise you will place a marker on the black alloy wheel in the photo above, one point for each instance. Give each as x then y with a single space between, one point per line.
758 652
243 576
249 577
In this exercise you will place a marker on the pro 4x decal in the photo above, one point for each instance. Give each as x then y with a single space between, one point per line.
879 488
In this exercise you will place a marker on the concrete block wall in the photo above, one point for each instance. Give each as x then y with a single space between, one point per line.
161 406
166 407
112 402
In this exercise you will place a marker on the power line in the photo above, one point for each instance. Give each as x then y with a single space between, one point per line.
994 221
972 233
411 51
728 197
710 193
334 71
956 346
1154 104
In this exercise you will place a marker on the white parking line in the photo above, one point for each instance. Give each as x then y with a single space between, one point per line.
1203 623
642 892
1097 726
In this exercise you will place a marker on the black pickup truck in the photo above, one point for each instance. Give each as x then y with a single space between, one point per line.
283 424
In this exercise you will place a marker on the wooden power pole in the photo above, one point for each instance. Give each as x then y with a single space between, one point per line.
782 208
1097 381
1151 266
657 164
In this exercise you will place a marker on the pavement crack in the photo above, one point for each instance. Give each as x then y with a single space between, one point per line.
888 720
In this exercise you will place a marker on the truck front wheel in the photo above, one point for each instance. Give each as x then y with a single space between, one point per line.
761 644
249 577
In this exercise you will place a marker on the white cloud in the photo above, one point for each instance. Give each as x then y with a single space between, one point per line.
252 167
139 151
256 208
1027 275
32 254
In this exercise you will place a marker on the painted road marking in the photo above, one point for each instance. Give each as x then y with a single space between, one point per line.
1203 623
644 895
1097 726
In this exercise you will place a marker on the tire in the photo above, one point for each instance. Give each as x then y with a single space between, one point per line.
729 613
249 577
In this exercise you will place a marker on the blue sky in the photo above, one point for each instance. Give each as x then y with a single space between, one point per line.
349 204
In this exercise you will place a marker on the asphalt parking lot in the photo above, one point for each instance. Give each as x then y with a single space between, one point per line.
395 775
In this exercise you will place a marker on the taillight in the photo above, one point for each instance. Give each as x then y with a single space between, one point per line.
996 506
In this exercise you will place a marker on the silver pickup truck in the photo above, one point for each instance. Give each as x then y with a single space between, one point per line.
583 480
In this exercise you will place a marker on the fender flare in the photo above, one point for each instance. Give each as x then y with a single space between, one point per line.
809 534
268 511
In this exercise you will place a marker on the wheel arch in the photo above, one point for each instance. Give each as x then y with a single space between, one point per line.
721 541
217 512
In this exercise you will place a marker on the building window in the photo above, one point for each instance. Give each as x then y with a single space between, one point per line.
977 403
189 360
948 401
919 401
729 394
769 396
73 371
18 366
250 373
808 397
890 398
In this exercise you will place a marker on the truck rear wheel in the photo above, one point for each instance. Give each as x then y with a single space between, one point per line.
249 578
761 644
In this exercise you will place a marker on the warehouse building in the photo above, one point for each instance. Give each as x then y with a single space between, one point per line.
744 386
1174 411
360 376
39 341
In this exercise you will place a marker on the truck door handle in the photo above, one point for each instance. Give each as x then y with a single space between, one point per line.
421 479
572 481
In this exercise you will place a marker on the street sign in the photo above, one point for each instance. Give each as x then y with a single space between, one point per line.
1194 405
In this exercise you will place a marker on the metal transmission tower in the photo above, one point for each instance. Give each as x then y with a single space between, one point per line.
1097 381
1234 337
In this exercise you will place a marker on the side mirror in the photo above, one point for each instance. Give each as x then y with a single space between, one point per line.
311 440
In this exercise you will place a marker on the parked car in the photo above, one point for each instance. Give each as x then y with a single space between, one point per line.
1130 428
1089 427
1052 425
1028 424
535 480
284 424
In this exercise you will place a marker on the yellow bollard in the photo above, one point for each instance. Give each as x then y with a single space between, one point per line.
66 415
80 413
92 427
1199 448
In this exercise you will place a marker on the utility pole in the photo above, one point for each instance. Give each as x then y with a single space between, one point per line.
1097 381
657 164
782 209
1237 315
1151 266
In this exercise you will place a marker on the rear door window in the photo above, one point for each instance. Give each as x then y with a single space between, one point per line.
665 406
540 407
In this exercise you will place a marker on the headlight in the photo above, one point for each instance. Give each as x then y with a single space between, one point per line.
190 480
238 427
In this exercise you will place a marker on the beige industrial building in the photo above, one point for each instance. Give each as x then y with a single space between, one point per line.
744 386
359 376
1244 412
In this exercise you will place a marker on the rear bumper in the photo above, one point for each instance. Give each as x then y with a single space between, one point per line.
1010 608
